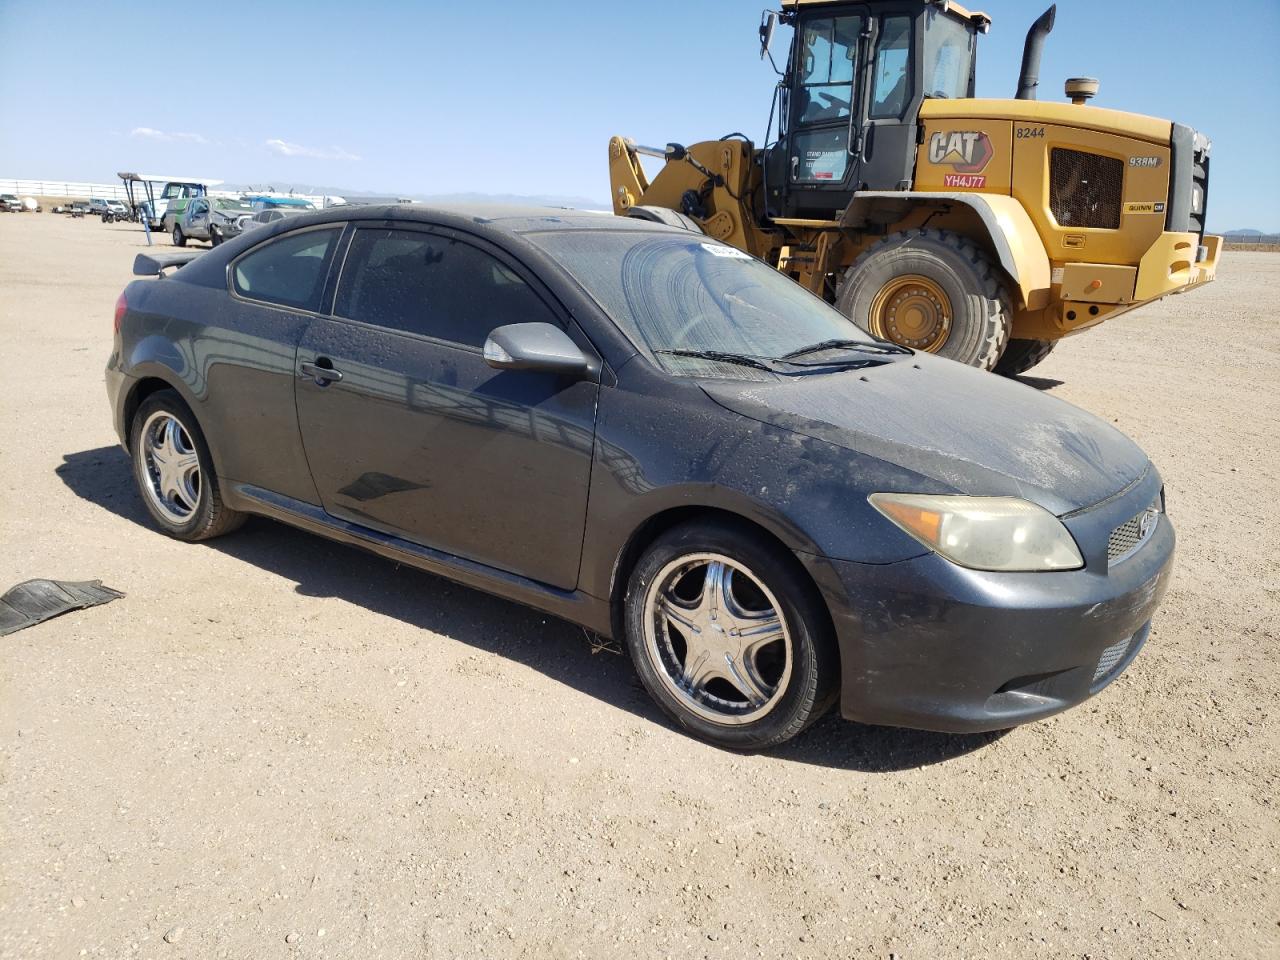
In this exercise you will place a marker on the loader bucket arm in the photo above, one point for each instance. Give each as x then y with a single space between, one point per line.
627 179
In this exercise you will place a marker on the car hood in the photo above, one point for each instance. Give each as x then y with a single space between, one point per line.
971 432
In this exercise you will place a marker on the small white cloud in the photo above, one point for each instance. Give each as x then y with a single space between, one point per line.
286 149
149 133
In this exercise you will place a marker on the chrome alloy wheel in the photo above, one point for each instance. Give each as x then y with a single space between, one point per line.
170 466
716 637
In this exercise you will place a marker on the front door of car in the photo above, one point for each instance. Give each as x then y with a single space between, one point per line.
406 428
198 217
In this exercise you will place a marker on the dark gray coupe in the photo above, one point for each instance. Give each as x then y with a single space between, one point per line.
648 433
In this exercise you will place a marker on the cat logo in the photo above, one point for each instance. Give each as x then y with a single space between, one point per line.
967 152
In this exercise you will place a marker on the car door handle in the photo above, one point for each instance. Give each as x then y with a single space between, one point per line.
321 371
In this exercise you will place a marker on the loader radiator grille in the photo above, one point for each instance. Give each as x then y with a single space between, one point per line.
1084 189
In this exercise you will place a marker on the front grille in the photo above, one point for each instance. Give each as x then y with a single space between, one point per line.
1085 188
1110 658
1130 535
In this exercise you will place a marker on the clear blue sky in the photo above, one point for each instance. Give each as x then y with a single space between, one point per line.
521 97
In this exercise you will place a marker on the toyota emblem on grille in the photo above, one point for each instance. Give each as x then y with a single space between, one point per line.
1148 521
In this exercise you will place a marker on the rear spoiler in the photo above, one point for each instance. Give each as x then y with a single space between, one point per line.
155 264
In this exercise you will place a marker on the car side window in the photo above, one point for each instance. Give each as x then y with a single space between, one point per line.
289 270
432 285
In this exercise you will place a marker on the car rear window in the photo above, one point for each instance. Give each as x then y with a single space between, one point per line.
288 270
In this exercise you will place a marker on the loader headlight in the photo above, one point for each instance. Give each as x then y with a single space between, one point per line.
1197 198
984 533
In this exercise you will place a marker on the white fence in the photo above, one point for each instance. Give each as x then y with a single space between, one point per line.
61 188
110 191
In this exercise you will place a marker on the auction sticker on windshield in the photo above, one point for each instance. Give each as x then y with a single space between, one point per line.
719 250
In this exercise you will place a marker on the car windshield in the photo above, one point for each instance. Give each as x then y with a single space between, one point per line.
233 205
686 293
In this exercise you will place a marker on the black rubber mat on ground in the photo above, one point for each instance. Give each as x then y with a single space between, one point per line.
35 601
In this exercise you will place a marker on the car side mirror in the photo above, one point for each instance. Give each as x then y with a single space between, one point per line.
534 346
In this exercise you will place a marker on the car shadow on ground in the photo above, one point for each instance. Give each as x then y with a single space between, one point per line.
1040 383
560 650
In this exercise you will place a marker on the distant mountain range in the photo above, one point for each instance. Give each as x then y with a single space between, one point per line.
1249 233
538 200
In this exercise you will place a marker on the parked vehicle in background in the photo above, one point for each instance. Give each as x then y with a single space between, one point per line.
267 202
31 205
108 210
272 215
151 193
207 218
9 203
652 434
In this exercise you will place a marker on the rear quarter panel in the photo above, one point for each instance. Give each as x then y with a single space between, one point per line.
233 363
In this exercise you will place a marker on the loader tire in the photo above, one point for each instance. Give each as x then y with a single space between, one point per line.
1021 355
931 290
672 218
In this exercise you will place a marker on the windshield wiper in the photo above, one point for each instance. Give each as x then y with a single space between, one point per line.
862 346
739 358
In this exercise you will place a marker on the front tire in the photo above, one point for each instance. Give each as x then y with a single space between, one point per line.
931 290
178 239
174 471
729 637
1021 355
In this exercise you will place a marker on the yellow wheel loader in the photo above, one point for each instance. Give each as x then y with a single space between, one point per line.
980 230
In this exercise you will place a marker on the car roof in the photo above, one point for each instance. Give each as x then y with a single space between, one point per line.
482 218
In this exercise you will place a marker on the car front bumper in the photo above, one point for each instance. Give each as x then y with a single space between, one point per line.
227 228
931 645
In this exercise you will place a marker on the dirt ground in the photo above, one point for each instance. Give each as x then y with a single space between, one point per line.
279 747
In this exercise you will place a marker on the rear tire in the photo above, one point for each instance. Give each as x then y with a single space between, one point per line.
672 218
757 674
178 239
174 471
1021 355
952 298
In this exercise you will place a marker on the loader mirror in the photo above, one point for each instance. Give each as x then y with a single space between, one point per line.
768 22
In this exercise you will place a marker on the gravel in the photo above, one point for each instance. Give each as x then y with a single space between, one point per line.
274 734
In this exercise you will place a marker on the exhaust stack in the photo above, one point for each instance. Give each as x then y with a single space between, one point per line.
1029 78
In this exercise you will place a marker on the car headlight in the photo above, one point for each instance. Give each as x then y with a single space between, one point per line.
984 533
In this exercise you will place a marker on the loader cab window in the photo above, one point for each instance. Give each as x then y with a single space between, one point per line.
892 89
826 51
949 47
